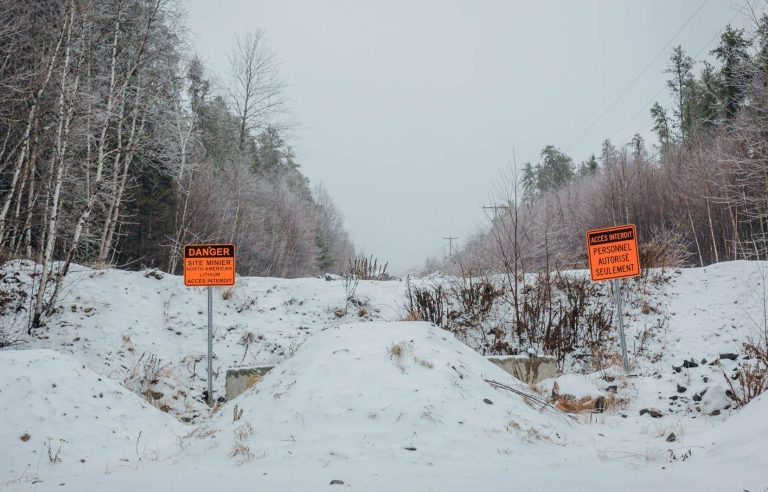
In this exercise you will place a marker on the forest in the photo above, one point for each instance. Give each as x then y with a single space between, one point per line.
118 146
697 196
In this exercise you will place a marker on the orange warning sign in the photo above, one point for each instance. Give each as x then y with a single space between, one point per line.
209 265
613 252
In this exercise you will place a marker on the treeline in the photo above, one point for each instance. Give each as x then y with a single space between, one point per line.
698 197
116 148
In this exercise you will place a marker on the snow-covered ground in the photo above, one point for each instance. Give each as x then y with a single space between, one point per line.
361 398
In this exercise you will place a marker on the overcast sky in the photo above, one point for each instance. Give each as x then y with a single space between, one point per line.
408 110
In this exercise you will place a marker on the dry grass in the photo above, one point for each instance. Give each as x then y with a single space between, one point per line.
411 316
402 353
396 350
240 450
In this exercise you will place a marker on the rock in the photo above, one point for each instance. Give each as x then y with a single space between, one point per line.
677 368
612 388
651 411
696 397
703 361
410 448
487 401
675 397
681 389
729 356
689 363
715 413
337 482
706 379
671 437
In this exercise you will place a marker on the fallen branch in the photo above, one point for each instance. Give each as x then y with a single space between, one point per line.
531 399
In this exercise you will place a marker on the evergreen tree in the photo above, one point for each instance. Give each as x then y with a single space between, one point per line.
555 169
704 105
761 57
608 152
732 52
325 260
588 167
681 70
199 85
661 125
638 146
530 180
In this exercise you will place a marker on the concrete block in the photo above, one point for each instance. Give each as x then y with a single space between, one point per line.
529 369
240 379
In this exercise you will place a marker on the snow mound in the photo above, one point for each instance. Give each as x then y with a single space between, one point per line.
737 446
110 319
61 420
393 391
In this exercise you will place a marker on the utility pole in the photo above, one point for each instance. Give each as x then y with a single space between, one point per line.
450 245
495 209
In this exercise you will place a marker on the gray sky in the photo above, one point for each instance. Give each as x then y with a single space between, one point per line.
407 111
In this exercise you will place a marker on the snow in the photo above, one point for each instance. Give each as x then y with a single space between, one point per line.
361 397
392 386
113 320
60 419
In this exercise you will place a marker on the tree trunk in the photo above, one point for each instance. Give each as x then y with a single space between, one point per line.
31 118
57 167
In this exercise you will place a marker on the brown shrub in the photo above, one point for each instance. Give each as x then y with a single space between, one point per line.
752 377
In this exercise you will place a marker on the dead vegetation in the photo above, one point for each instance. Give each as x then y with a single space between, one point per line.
557 314
367 269
403 353
571 404
145 377
751 377
240 449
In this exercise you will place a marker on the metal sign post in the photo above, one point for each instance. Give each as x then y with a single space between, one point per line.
619 311
210 346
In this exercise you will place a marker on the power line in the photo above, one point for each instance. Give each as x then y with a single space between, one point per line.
656 96
642 72
495 209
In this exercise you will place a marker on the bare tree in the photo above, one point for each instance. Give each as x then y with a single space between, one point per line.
255 91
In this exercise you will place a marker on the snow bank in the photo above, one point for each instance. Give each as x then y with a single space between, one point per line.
60 419
394 391
109 319
737 447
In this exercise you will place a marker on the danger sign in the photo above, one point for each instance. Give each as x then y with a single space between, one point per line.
613 252
209 265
